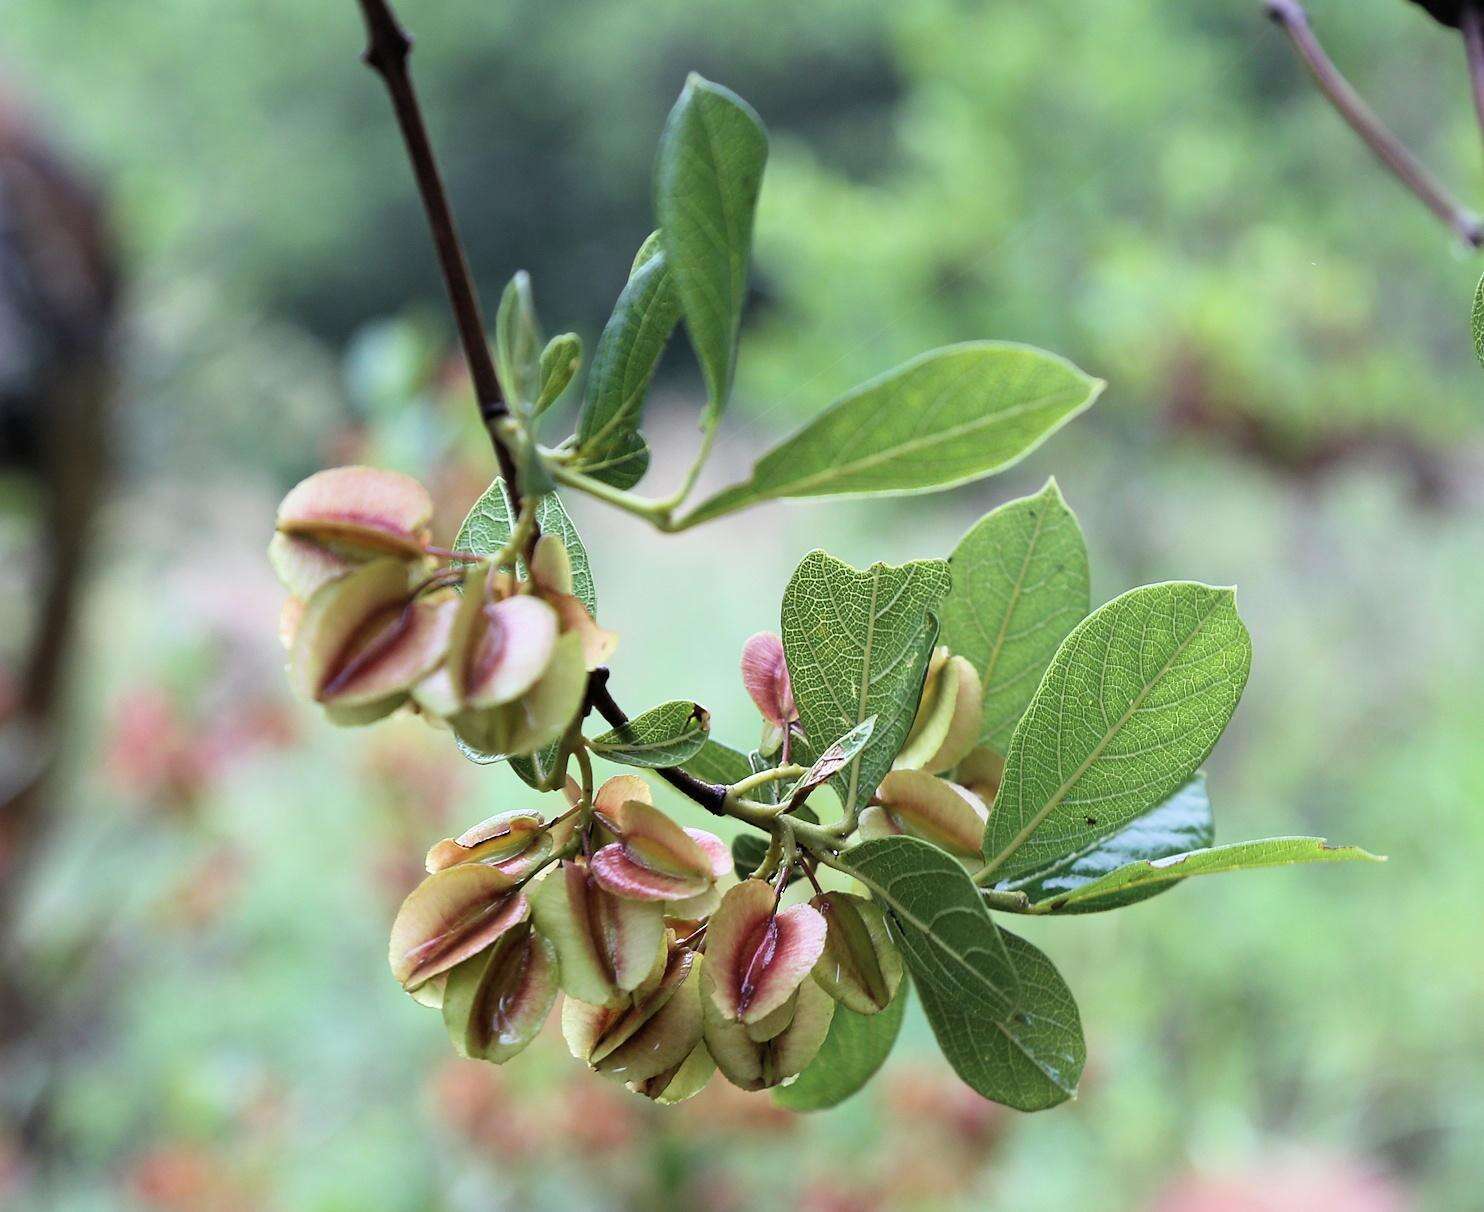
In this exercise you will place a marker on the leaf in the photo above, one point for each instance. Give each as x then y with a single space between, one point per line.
609 445
491 521
748 852
1134 701
1030 1059
857 645
518 343
855 1048
1478 322
947 417
832 760
950 942
666 735
559 362
1182 823
710 168
1020 583
718 763
1137 880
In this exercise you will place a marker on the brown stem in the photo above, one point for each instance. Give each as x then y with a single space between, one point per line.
1290 15
711 796
387 48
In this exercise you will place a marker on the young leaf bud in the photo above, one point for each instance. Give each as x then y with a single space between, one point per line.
860 967
756 1065
948 716
765 674
495 1003
921 805
449 917
656 1032
758 955
361 509
361 640
513 842
559 362
606 945
655 859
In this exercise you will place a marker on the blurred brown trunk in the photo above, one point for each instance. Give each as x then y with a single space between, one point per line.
58 289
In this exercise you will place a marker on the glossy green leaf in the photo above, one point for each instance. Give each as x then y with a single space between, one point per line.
1135 699
518 343
1029 1059
855 1048
857 645
1182 823
947 417
668 735
709 170
1136 880
951 944
489 524
1020 583
609 445
718 763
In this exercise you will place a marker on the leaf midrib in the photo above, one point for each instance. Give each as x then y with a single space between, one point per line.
1059 796
910 446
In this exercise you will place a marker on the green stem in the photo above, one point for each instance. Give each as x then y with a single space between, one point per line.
775 774
657 513
675 501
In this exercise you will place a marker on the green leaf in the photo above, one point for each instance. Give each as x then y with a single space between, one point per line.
748 852
718 763
1029 1059
1134 701
947 417
1020 583
559 362
1182 823
1478 324
667 735
609 445
1140 879
857 645
518 343
853 1051
832 761
707 178
491 521
950 942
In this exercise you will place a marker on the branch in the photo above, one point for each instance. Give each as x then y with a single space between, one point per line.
711 796
387 48
1290 15
386 53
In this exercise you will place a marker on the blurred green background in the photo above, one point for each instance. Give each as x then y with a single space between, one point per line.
1150 187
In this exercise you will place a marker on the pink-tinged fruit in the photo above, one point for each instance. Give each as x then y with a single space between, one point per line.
765 674
512 648
365 508
759 955
606 945
512 841
450 916
948 717
922 805
654 859
860 967
655 1033
756 1065
495 1003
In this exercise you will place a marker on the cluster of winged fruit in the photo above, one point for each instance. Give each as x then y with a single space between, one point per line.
375 622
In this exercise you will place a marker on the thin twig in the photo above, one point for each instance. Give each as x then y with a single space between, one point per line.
1290 15
387 48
